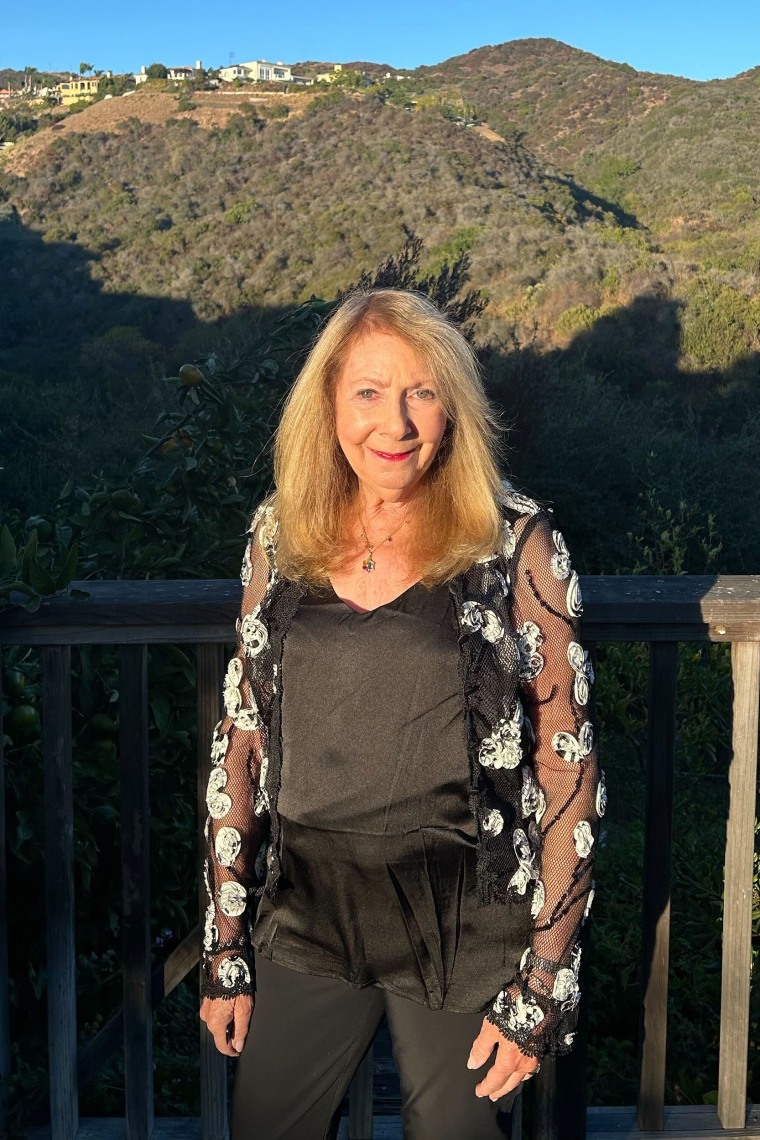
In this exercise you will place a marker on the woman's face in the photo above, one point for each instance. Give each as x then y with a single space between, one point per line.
389 417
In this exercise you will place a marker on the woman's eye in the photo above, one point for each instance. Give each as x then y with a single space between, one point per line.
365 392
426 393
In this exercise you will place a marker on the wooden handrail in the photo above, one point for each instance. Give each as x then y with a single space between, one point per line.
659 610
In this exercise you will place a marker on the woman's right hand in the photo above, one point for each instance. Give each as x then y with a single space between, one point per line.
227 1019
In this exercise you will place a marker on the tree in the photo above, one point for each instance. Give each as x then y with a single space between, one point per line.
156 71
85 67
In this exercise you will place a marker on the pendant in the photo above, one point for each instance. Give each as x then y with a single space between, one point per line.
368 564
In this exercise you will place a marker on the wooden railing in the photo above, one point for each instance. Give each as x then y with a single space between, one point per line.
658 610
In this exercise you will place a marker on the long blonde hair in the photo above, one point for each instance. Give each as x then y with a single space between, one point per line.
456 516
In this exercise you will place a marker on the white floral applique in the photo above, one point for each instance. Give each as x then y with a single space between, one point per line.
538 900
508 539
219 743
583 669
493 822
233 698
252 632
574 596
521 503
583 838
210 931
601 795
217 801
565 989
246 570
227 845
574 748
522 1014
503 749
561 558
529 638
476 616
233 970
268 530
532 798
232 898
526 870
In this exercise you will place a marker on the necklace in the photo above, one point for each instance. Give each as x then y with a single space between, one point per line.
369 563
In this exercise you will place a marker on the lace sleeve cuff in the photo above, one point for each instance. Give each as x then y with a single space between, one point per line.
230 976
538 1010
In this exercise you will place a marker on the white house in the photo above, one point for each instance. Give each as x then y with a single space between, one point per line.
173 73
261 71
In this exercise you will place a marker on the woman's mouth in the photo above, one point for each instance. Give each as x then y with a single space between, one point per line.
392 456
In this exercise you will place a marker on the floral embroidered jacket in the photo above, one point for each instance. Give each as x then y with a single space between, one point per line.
535 786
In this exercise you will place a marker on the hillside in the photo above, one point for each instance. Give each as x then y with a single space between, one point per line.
561 100
337 184
610 217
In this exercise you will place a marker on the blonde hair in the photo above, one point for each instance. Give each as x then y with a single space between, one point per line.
456 517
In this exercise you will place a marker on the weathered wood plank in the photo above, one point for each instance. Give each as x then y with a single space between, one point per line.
135 867
698 1121
617 607
737 893
59 890
5 1038
210 667
168 974
360 1099
655 940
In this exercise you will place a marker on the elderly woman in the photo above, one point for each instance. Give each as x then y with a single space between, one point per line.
405 796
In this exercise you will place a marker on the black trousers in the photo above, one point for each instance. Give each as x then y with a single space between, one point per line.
307 1037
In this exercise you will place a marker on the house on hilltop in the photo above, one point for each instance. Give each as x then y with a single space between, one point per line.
262 71
78 87
175 74
329 76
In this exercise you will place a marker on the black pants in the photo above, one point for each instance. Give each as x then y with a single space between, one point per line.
307 1037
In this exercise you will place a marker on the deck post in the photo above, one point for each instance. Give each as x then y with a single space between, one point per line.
210 667
59 891
737 889
135 864
655 940
5 1032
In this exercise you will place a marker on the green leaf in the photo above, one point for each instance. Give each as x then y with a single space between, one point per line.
8 553
75 593
68 569
39 578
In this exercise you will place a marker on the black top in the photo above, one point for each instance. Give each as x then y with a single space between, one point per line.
378 843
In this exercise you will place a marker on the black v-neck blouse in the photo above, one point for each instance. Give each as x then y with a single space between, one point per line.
378 844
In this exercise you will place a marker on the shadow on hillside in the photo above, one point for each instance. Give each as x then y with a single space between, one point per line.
81 367
583 197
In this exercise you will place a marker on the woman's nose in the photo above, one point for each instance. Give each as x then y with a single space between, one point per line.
396 423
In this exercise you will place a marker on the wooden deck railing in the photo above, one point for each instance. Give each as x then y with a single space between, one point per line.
658 610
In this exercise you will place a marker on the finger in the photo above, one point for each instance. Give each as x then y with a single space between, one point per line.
514 1081
482 1048
218 1018
497 1082
242 1022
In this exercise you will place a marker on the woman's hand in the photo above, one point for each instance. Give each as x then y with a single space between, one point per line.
228 1020
510 1067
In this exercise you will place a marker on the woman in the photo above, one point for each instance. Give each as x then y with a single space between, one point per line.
405 796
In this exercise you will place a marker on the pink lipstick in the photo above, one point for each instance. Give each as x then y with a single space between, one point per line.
393 457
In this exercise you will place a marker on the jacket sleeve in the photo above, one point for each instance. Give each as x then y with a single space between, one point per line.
236 827
563 792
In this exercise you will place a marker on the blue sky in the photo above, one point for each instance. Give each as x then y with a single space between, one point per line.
697 38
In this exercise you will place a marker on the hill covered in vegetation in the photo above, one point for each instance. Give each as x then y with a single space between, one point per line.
596 205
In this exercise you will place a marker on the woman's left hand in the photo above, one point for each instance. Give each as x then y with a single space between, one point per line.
510 1067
